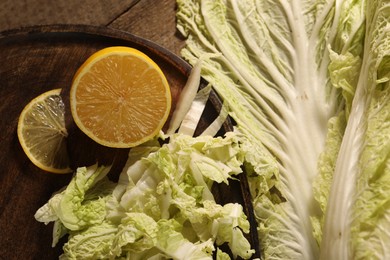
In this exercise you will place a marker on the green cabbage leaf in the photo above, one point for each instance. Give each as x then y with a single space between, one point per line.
357 220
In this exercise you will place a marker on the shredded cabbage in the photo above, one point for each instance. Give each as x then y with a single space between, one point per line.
161 207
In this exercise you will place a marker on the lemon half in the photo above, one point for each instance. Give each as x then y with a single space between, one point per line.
120 97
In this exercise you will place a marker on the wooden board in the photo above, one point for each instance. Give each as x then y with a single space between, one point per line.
37 59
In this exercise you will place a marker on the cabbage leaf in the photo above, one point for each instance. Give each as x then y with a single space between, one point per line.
292 74
357 221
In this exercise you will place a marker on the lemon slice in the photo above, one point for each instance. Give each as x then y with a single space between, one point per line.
42 133
120 97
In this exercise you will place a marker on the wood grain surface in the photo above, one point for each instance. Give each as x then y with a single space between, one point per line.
151 19
39 58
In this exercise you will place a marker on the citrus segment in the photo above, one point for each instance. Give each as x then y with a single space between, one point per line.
42 133
120 97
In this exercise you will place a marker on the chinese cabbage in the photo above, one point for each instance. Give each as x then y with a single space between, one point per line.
287 71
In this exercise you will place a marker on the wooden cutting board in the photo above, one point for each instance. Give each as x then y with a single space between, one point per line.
32 61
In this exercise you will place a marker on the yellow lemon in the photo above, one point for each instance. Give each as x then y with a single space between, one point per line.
120 97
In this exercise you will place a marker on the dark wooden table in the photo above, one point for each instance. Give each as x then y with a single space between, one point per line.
150 19
21 237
